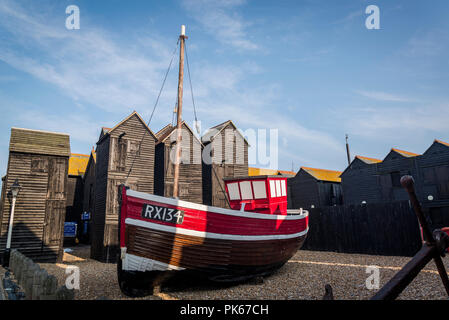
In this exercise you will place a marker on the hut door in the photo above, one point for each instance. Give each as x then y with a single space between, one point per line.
55 203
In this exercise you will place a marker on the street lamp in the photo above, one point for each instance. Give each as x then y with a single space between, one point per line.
15 188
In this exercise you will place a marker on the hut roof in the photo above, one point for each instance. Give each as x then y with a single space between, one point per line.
167 131
105 131
39 142
442 142
323 174
368 160
78 164
216 130
403 153
270 172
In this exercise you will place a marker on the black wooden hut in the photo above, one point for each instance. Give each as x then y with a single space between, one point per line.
225 155
39 160
117 150
190 171
89 195
359 181
396 164
433 182
312 188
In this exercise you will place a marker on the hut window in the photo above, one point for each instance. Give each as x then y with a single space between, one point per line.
39 165
121 155
396 179
245 189
233 189
259 188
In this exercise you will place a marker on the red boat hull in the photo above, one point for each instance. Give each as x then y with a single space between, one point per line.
220 244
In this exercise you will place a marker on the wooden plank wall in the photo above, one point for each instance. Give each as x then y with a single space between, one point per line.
378 229
234 156
190 170
40 208
114 159
101 183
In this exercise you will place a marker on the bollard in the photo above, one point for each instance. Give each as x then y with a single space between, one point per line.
49 288
28 284
38 284
63 293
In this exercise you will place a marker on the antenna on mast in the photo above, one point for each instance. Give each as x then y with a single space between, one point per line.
347 150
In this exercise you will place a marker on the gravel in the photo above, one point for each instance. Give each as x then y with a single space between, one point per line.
302 277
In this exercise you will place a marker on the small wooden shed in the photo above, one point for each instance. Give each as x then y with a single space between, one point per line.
39 160
130 142
225 155
190 171
359 181
315 187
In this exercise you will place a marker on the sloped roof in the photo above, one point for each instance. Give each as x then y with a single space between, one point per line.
166 132
403 153
216 130
39 142
268 172
105 131
323 174
442 142
368 160
78 164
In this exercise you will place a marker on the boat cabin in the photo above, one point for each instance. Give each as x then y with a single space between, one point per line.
262 194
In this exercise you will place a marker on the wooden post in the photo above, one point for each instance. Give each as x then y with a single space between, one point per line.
182 38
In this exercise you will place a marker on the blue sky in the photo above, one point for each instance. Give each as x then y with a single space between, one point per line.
310 69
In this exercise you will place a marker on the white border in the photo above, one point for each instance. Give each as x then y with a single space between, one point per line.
202 234
201 207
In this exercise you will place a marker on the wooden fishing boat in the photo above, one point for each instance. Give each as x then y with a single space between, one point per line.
160 235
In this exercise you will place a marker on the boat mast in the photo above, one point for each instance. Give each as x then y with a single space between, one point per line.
182 38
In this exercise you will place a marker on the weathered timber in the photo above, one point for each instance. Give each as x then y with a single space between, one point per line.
39 160
129 143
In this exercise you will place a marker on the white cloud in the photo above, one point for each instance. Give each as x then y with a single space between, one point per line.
220 19
383 96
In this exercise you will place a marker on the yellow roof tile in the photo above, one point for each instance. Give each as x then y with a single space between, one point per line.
324 174
405 153
78 164
368 160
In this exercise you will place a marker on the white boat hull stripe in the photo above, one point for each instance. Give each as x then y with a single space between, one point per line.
201 207
210 235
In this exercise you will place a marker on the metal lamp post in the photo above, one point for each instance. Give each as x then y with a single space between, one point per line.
15 188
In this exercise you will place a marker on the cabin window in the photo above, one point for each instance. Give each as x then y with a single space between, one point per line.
259 189
245 189
272 189
283 189
278 188
233 189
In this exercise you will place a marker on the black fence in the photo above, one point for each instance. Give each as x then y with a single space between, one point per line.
378 229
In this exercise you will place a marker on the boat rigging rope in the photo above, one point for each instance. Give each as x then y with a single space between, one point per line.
152 113
191 92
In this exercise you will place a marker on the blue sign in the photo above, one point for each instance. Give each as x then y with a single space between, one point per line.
70 229
85 216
